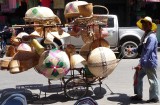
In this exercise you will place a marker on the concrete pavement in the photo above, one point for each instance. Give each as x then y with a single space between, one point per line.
120 86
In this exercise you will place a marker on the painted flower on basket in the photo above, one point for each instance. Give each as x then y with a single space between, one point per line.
53 64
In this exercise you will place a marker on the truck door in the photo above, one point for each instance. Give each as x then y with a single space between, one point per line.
112 29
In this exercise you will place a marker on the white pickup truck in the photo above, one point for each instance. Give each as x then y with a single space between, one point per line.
119 37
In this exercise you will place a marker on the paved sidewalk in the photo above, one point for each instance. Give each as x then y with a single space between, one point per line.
119 82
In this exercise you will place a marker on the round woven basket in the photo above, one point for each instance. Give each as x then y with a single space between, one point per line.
102 61
41 14
53 64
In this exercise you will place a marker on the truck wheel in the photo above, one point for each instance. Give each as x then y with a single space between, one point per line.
128 44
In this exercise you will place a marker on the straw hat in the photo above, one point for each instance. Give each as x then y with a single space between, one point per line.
101 61
21 34
58 36
41 13
24 47
71 9
76 61
148 19
49 38
34 34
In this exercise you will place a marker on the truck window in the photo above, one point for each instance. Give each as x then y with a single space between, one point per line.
110 22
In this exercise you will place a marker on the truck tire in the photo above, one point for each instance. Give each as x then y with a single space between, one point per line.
125 54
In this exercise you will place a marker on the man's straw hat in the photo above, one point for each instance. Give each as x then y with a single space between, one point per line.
148 19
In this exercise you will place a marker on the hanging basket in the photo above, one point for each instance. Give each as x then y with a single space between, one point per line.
26 60
41 14
86 10
99 43
102 61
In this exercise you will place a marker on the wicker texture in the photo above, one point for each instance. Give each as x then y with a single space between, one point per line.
53 64
26 59
102 61
10 51
71 9
85 50
86 10
41 14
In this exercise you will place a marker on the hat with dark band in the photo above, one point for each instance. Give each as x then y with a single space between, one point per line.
148 19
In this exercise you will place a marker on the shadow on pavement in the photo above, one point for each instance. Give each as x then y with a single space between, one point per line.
39 94
123 99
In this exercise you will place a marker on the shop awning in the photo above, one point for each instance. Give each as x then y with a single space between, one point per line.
152 0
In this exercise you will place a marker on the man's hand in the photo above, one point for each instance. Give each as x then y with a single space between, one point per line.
138 67
129 50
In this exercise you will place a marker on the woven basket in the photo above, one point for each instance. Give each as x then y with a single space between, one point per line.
10 51
4 64
70 50
71 9
14 66
86 37
86 10
40 14
99 43
102 61
26 59
85 50
14 41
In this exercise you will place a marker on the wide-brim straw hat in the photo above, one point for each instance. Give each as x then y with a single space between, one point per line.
21 34
49 38
41 14
34 34
71 9
148 19
24 47
58 36
31 36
